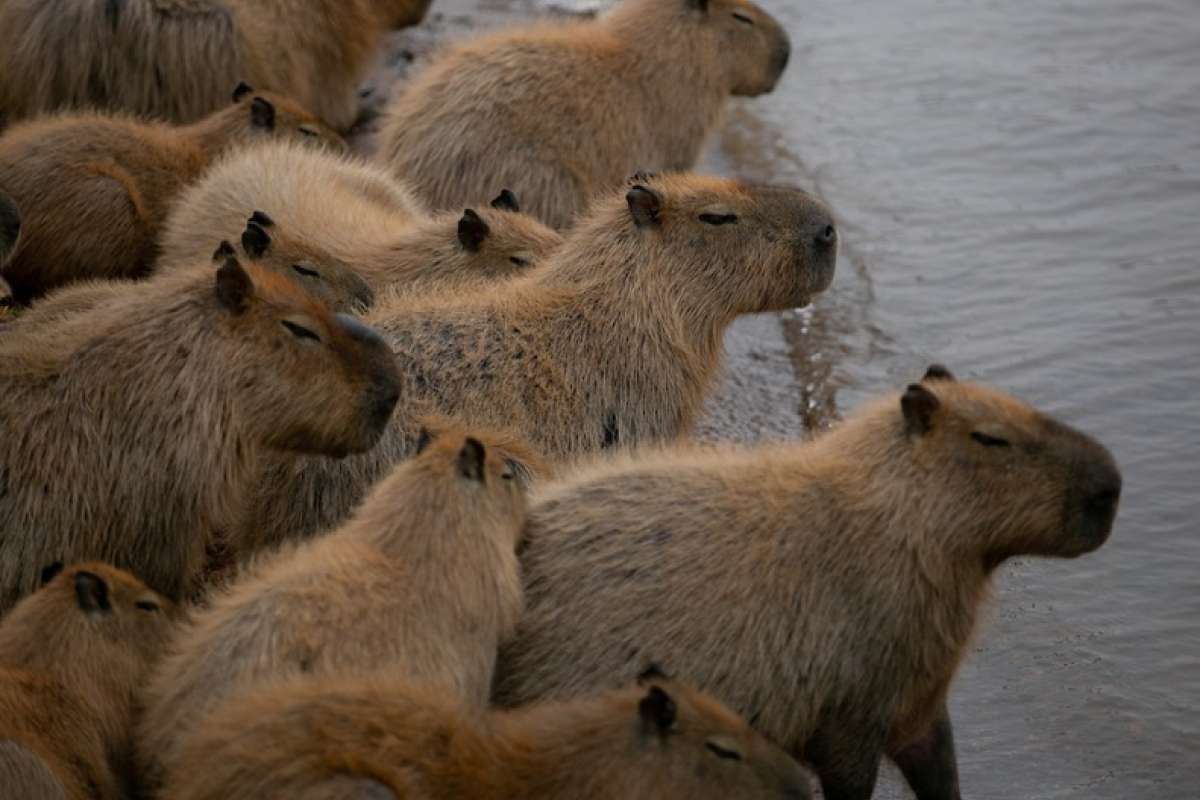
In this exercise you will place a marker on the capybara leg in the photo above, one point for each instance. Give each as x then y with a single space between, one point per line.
846 761
929 764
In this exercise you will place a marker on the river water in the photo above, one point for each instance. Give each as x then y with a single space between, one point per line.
1018 191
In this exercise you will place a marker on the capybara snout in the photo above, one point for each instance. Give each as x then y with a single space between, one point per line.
1093 504
382 390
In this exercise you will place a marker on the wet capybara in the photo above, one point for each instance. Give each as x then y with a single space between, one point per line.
827 590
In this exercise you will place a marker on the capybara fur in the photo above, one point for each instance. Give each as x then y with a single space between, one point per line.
564 111
345 212
72 657
262 242
376 737
130 431
423 581
611 342
94 189
176 59
826 590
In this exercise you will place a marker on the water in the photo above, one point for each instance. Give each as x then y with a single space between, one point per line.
1018 189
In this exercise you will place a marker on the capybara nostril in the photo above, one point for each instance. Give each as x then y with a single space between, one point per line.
780 59
827 236
1101 493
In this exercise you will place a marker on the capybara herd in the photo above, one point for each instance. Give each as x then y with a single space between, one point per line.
326 477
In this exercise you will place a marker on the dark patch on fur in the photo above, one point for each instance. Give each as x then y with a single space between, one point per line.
612 431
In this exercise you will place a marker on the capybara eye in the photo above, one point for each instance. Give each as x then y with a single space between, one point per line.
743 18
305 271
723 752
147 605
299 331
989 441
518 262
307 131
719 219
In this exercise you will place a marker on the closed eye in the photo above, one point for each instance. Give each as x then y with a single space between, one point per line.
311 273
308 131
722 752
989 441
518 261
719 219
299 331
147 605
743 18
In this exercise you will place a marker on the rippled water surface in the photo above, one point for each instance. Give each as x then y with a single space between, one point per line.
1018 187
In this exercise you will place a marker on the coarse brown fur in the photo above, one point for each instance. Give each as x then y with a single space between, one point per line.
347 213
94 189
423 581
177 59
562 112
828 590
131 431
377 737
611 342
71 657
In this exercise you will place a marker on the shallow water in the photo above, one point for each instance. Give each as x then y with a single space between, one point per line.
1018 189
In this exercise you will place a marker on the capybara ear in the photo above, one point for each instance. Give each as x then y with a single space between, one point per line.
471 458
652 672
241 90
91 592
937 372
507 201
234 287
919 405
223 252
472 231
657 710
262 114
261 219
51 571
423 440
255 240
645 206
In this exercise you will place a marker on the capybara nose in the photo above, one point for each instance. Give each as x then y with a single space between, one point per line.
360 332
1101 485
780 59
826 236
384 402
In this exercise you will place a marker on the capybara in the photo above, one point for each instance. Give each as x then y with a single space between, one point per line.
262 242
10 227
827 590
94 189
72 656
564 111
377 737
176 59
423 581
130 432
611 342
344 211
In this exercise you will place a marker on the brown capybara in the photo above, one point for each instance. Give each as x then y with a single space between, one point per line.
94 189
611 342
347 212
423 581
261 242
72 656
828 590
564 111
131 431
176 59
377 737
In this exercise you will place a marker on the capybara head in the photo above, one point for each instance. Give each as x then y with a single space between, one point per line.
1028 484
258 115
490 242
683 743
306 380
334 282
736 247
753 47
10 227
101 615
